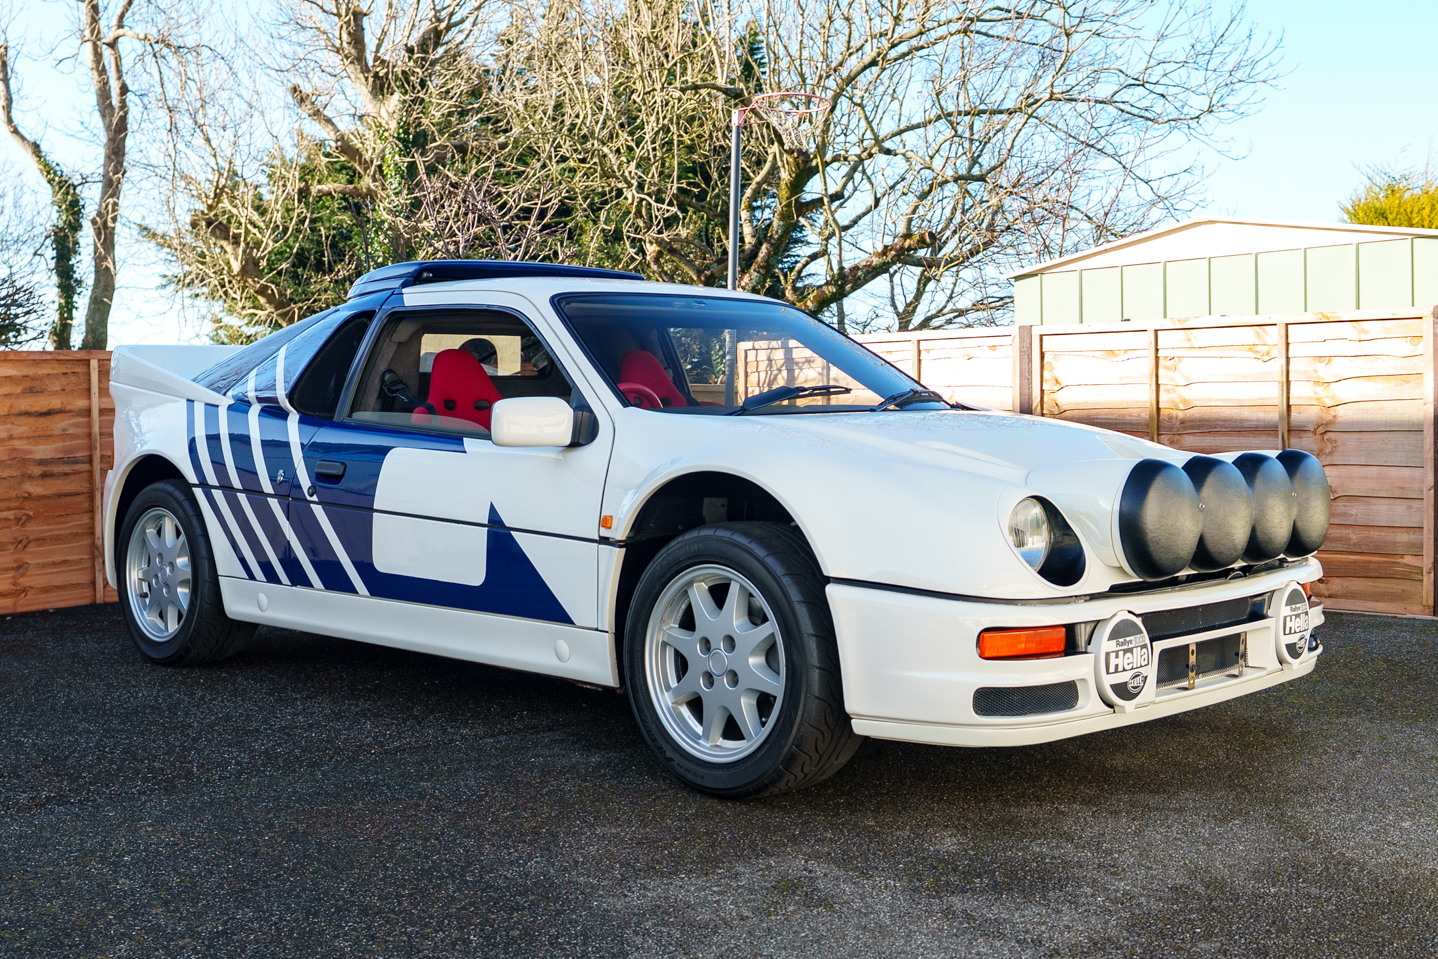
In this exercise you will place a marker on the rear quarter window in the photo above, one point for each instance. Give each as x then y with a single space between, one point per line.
223 376
317 390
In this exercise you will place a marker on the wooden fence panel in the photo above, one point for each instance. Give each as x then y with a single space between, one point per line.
974 367
1102 379
975 370
56 443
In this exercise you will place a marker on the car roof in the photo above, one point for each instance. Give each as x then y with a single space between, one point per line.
545 287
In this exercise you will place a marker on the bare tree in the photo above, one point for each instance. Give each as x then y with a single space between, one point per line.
391 156
459 215
961 136
101 47
99 44
22 311
69 212
23 308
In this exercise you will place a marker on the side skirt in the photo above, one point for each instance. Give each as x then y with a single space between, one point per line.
569 652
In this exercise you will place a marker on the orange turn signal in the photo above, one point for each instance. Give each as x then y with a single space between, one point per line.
1033 643
606 522
1307 589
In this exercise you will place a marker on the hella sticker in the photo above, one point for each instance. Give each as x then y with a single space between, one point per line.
1293 625
1123 663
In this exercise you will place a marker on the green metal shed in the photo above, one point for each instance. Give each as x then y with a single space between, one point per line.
1221 266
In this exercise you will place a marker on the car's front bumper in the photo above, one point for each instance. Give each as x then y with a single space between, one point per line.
911 666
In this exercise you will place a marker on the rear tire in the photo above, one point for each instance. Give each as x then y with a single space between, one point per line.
169 590
731 662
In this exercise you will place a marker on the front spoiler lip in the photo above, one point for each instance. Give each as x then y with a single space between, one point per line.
1038 730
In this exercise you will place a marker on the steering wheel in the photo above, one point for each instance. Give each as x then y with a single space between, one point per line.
641 396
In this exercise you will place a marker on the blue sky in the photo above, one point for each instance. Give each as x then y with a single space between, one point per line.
1359 91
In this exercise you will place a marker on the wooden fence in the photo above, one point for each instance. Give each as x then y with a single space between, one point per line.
56 423
1355 389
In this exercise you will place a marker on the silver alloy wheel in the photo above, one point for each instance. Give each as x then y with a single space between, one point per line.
714 660
157 574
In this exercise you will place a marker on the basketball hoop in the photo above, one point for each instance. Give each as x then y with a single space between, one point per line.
784 111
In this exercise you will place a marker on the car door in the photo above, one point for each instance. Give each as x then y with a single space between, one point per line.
402 502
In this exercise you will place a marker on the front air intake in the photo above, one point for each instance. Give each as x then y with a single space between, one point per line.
1025 700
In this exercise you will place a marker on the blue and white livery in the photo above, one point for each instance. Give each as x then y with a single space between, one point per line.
774 540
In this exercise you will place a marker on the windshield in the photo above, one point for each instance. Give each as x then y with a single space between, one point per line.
696 354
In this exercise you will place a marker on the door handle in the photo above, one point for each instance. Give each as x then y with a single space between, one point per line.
331 471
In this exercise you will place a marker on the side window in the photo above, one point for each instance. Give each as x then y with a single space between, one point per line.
317 391
444 370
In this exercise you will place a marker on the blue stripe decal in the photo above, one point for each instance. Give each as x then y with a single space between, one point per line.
270 529
267 570
215 452
191 445
237 418
196 464
363 452
512 586
275 445
321 554
210 495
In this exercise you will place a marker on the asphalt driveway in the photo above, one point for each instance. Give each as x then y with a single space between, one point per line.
313 797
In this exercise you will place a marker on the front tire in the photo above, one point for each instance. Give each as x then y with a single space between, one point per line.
731 662
169 589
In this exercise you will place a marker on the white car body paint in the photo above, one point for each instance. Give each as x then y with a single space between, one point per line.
904 512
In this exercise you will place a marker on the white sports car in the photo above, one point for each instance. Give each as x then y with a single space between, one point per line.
777 542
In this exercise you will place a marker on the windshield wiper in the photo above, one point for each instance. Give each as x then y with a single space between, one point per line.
782 393
903 398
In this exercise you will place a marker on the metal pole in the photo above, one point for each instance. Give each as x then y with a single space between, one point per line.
735 174
731 345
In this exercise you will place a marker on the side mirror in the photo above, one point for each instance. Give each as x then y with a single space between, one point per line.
531 421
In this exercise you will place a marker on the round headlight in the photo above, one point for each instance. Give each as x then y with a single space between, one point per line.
1029 531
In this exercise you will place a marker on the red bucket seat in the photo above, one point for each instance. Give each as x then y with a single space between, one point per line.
644 368
458 388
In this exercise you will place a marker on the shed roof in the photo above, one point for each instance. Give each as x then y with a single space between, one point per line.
1219 236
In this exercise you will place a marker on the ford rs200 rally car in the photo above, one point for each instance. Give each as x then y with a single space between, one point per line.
774 540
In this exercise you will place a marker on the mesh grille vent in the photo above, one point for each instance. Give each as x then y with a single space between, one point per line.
1196 619
1025 700
1212 657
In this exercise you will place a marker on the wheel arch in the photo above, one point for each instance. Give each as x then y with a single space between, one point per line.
140 472
675 506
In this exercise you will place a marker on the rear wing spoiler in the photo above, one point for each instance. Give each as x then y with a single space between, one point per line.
168 370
